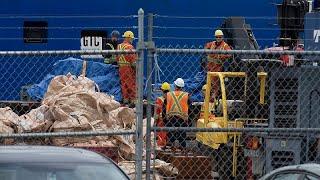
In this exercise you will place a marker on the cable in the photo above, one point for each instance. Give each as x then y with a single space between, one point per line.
74 27
64 38
155 27
8 16
226 17
200 38
210 28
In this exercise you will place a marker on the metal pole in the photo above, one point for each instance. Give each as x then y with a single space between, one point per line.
149 84
139 105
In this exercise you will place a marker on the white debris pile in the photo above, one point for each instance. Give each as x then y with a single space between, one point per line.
9 121
37 120
4 129
76 106
72 104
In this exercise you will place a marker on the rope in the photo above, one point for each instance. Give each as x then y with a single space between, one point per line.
156 68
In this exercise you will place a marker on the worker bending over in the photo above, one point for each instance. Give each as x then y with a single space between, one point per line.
176 112
127 69
162 135
215 61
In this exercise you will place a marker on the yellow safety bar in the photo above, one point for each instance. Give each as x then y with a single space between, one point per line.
262 77
221 76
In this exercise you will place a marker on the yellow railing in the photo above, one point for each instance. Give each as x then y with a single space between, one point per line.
237 123
221 76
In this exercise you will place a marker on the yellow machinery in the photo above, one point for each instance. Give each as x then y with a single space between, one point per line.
215 139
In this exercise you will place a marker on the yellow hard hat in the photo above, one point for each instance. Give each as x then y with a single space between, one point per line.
204 87
165 86
128 34
218 33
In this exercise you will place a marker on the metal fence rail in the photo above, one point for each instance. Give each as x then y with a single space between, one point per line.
248 111
268 130
67 52
237 52
68 134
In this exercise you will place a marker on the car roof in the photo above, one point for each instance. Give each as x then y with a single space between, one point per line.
52 154
309 167
312 167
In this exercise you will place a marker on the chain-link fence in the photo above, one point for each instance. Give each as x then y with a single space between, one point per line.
241 112
246 153
236 114
248 112
68 99
89 98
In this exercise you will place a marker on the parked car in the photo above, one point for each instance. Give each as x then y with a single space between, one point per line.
55 163
295 172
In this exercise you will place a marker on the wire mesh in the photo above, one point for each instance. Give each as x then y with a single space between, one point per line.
259 110
70 99
251 112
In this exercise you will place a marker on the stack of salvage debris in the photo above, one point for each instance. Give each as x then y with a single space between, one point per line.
73 104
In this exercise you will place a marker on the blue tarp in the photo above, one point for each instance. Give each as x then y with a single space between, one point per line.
105 76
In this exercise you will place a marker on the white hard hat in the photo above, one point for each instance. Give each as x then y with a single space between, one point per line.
179 82
218 32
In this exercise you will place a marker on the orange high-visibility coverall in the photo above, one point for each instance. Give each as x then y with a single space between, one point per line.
215 62
127 72
162 135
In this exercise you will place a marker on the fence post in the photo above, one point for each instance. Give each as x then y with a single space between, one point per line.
150 48
139 105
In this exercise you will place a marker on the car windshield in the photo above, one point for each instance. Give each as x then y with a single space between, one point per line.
60 171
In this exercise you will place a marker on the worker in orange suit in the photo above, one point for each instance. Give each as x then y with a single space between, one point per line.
176 112
215 61
162 135
127 69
